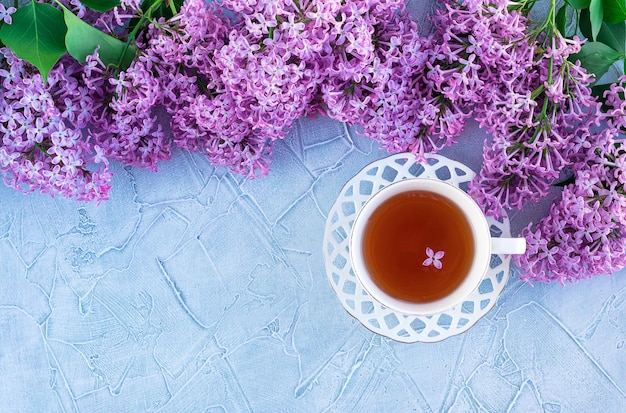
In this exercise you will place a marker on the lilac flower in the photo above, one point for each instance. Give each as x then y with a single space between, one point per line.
615 98
434 258
5 13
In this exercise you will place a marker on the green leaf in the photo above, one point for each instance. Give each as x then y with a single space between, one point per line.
610 34
596 14
36 35
179 4
596 57
101 5
614 10
584 23
82 40
613 35
561 19
578 4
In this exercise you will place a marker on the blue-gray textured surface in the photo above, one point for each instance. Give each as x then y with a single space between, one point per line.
192 290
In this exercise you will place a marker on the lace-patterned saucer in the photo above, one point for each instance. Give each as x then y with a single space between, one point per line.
357 302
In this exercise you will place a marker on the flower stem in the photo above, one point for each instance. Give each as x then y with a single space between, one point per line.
172 7
144 17
537 92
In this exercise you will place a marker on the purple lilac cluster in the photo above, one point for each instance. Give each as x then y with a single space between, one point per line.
270 65
380 74
268 78
206 115
540 121
43 144
480 53
521 88
584 234
368 66
354 61
480 61
475 46
174 74
234 86
125 124
48 139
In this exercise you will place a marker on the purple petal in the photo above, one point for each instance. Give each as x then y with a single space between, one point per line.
437 264
439 255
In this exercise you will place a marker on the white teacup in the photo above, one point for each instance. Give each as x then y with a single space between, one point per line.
483 246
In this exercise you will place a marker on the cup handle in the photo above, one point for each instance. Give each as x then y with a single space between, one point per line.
508 245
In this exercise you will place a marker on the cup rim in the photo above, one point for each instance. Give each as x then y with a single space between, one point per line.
480 232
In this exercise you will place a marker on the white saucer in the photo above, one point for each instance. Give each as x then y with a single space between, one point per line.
379 319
